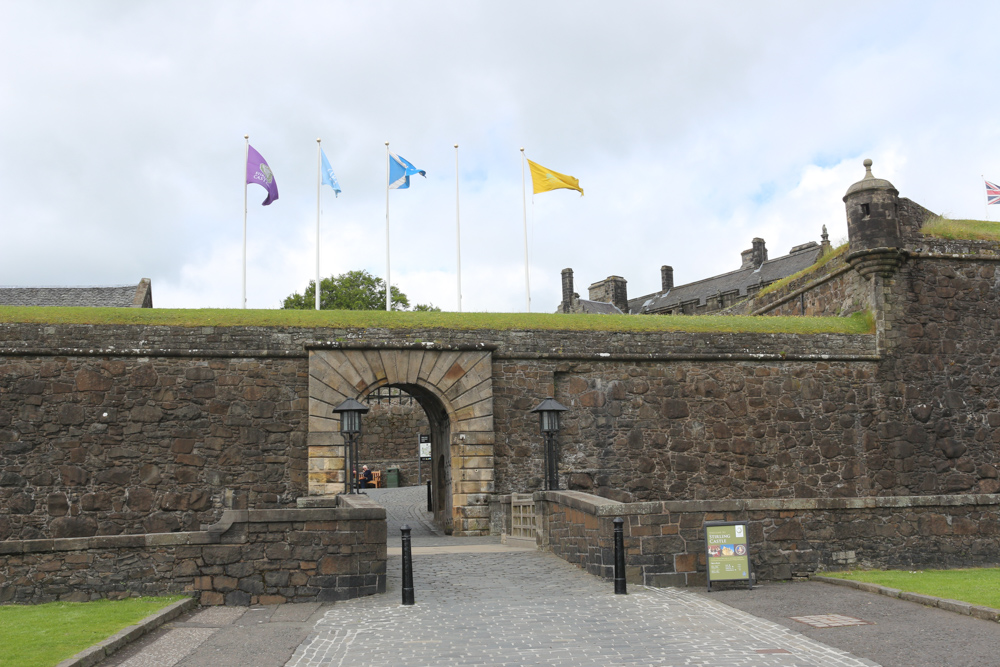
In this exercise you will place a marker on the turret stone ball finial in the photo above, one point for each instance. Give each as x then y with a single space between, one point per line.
868 168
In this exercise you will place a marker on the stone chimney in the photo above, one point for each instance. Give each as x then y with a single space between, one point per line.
611 290
755 256
567 290
666 278
759 252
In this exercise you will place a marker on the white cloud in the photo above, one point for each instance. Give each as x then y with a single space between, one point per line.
693 128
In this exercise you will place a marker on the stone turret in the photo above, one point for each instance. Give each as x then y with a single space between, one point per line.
873 225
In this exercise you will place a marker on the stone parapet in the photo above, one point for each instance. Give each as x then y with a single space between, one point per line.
664 541
249 557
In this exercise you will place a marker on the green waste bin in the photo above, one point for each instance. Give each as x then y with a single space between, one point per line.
392 478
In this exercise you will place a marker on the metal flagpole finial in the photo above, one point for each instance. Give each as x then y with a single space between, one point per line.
456 145
318 140
246 136
387 143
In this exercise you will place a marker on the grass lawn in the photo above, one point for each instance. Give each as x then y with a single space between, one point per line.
860 323
46 634
975 586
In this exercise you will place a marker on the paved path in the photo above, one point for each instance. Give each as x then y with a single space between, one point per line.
482 603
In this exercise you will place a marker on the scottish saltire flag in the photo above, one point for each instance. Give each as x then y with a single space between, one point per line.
992 193
400 171
328 176
258 172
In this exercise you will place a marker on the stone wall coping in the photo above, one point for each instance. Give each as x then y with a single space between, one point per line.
365 510
508 356
600 506
398 345
690 356
147 352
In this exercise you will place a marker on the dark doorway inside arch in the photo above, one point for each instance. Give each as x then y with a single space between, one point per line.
398 414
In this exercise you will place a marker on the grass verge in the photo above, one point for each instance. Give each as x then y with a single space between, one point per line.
969 230
364 319
46 634
975 586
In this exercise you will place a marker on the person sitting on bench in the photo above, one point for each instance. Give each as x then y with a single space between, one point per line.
366 477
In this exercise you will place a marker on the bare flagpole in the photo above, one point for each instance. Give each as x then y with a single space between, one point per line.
319 181
458 233
524 210
246 158
388 285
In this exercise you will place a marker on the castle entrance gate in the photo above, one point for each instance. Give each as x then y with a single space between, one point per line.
453 385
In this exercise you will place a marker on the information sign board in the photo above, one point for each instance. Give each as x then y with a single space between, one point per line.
425 447
727 552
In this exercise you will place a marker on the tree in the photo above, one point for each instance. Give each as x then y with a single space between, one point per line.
354 290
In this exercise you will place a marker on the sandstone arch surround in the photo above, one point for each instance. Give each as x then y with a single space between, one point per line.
454 384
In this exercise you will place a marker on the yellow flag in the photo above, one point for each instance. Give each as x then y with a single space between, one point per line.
543 180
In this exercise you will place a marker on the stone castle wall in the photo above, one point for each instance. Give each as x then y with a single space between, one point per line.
112 445
130 429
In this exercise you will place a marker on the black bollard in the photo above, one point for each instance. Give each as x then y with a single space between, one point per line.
620 588
430 506
407 566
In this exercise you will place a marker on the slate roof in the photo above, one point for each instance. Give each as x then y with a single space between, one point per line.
599 307
116 296
771 270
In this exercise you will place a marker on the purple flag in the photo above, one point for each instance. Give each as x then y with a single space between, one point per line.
258 172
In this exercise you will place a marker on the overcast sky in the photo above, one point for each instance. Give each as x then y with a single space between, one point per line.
692 127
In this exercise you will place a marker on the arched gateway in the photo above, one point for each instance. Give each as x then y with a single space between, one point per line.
455 388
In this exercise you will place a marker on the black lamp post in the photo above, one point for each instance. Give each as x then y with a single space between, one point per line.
350 412
548 412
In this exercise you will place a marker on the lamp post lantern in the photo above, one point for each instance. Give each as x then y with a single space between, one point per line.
548 413
350 412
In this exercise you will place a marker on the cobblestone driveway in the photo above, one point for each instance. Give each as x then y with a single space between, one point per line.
481 603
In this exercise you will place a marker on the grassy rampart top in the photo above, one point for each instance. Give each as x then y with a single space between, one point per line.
352 319
970 230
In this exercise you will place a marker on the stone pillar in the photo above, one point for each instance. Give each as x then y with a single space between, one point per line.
666 277
873 226
567 290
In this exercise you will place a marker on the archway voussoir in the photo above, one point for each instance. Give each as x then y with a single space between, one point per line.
362 366
442 366
427 364
375 365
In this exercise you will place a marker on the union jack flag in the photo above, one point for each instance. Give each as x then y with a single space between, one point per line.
992 193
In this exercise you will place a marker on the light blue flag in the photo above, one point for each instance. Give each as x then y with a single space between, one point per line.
400 171
328 176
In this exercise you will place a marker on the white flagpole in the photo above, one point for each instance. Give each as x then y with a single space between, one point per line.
524 210
319 181
388 285
246 158
458 233
986 206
